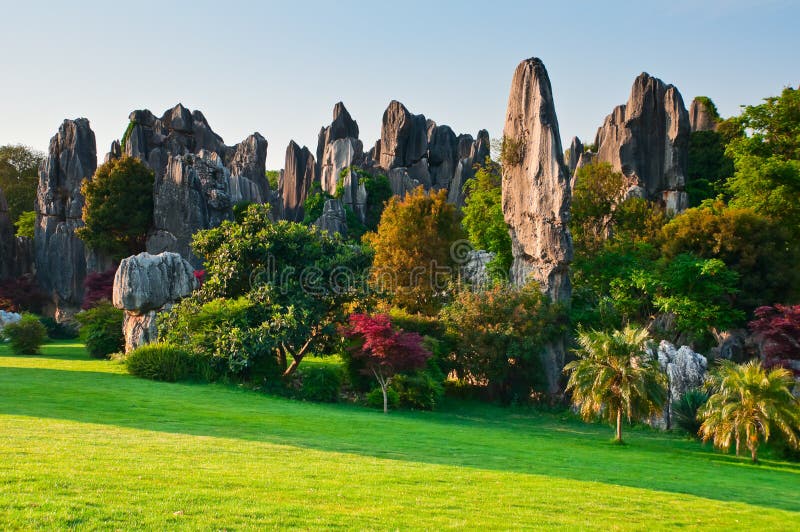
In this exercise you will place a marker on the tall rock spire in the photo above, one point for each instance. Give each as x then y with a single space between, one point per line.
536 195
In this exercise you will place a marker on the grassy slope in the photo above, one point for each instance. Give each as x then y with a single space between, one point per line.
83 444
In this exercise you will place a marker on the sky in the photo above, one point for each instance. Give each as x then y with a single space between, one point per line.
279 67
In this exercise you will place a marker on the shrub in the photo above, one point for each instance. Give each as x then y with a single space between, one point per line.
420 390
685 411
26 224
101 330
160 362
59 331
375 398
21 294
26 335
320 382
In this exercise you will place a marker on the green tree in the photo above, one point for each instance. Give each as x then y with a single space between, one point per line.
615 377
273 176
118 209
296 281
498 336
413 262
762 250
709 167
26 224
598 192
483 218
19 178
767 159
749 403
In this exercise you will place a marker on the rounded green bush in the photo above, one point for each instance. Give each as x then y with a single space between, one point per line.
101 330
26 336
159 362
375 398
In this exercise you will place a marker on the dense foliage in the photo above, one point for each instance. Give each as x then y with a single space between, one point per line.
483 218
98 286
159 362
272 292
778 329
118 209
19 177
26 224
26 336
413 262
498 336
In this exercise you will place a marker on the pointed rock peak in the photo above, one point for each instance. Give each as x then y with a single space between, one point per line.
703 114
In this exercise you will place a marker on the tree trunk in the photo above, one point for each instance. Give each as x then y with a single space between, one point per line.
385 399
297 357
619 426
754 454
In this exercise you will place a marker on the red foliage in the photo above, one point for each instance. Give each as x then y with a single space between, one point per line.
98 286
200 276
779 330
384 349
21 294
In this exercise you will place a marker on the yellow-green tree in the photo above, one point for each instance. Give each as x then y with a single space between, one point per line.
414 261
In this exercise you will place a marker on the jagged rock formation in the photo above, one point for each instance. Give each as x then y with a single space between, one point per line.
195 192
537 195
701 116
299 173
575 154
334 218
145 285
61 258
342 127
684 369
415 151
647 139
474 269
198 179
470 153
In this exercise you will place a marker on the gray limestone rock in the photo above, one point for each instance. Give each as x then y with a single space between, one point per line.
701 117
647 139
298 174
333 219
60 254
537 195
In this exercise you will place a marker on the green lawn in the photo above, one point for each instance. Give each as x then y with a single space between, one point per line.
84 445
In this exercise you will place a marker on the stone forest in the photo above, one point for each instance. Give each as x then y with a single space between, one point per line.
481 307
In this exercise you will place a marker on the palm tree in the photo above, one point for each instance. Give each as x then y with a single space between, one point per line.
748 402
614 376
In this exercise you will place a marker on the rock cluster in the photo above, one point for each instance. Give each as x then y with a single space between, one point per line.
701 116
334 218
647 139
61 258
537 195
684 369
145 285
338 151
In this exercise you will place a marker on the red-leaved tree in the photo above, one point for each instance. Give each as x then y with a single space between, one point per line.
779 329
384 350
98 287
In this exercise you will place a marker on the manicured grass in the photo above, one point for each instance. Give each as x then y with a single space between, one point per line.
82 444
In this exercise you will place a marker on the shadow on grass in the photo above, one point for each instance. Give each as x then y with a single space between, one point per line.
479 437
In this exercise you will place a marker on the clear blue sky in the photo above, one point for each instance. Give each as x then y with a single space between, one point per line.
279 67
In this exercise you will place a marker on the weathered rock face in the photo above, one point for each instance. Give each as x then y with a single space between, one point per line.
474 269
575 152
298 174
145 285
250 161
7 318
334 218
684 369
536 196
60 255
470 152
647 139
404 137
193 194
536 193
702 116
342 127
